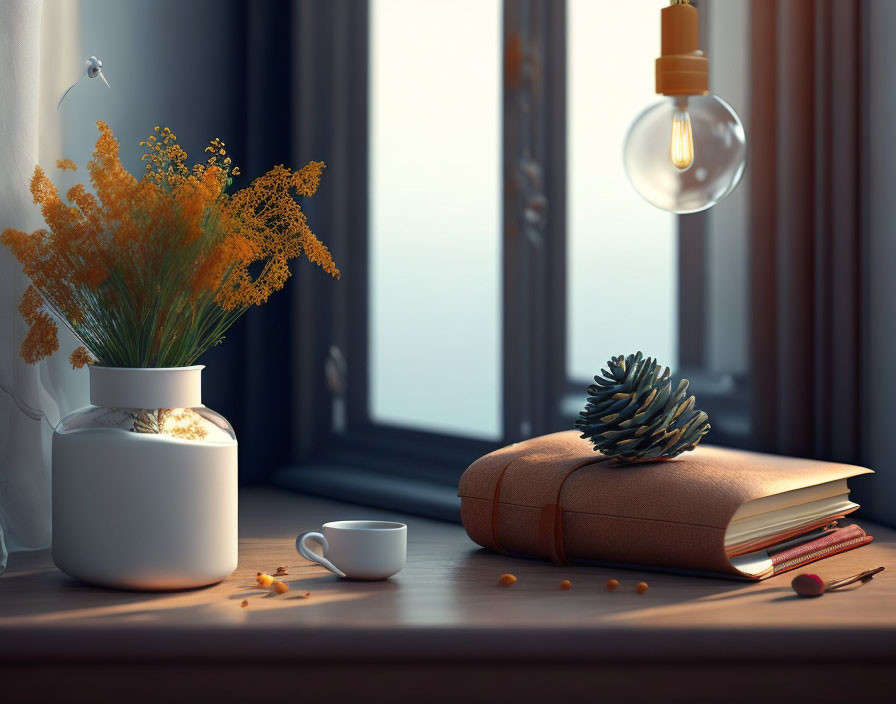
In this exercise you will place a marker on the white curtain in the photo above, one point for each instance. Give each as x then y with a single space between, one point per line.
43 45
39 54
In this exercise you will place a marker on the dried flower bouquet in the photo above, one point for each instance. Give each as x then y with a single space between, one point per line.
152 272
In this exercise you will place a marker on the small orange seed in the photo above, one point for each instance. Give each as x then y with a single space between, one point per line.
280 587
641 587
566 585
612 585
507 579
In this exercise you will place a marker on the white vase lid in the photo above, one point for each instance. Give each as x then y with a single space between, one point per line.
129 387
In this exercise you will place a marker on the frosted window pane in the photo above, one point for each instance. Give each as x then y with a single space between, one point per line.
622 253
435 198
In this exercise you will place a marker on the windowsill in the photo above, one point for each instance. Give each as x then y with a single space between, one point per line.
414 496
445 612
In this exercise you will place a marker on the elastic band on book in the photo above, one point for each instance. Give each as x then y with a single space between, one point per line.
550 524
495 499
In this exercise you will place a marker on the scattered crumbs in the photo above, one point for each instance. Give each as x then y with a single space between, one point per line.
281 571
245 603
507 579
307 594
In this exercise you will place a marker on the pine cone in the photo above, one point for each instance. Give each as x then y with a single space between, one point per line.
632 413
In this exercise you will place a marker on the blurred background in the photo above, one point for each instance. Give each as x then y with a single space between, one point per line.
494 254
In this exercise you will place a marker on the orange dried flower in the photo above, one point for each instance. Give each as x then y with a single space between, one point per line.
31 304
171 251
41 340
185 424
271 229
66 165
81 357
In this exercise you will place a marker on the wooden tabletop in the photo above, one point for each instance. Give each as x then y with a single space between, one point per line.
445 606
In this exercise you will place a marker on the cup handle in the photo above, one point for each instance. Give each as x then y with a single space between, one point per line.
306 552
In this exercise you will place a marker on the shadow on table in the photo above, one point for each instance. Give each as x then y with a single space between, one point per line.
53 597
542 578
54 593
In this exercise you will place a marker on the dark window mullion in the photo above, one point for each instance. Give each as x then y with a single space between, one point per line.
534 237
692 269
692 281
330 94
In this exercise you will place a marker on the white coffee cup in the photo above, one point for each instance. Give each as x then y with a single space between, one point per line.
358 549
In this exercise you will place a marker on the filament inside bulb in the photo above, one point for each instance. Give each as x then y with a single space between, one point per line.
681 146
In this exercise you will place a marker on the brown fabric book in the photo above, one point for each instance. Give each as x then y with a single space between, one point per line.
717 510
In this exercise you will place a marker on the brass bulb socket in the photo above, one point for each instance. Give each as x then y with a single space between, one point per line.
682 69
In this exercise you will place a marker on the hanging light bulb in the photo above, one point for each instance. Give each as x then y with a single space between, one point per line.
681 146
687 152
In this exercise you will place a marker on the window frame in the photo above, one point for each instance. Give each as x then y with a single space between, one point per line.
328 461
408 469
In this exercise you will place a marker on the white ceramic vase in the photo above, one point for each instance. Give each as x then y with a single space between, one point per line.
145 484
